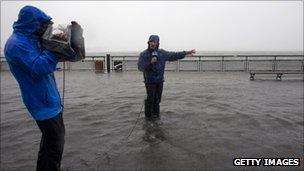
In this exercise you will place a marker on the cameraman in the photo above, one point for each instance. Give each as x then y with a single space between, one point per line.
33 67
152 63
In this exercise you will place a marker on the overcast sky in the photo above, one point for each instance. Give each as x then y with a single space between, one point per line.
181 25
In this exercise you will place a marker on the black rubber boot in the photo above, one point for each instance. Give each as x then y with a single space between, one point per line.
148 109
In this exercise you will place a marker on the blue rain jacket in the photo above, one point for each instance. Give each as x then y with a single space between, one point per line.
154 73
32 66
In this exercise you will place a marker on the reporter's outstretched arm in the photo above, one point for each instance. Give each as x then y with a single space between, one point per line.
173 56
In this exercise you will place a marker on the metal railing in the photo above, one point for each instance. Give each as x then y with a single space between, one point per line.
198 63
224 63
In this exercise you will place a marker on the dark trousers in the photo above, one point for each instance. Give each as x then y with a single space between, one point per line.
154 93
51 144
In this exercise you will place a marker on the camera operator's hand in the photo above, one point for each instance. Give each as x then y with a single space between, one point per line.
75 23
153 60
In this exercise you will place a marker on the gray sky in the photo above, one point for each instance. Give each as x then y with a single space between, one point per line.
206 26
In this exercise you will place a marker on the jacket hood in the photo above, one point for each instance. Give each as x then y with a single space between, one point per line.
30 19
153 38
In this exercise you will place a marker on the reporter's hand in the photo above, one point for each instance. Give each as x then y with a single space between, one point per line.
153 60
191 52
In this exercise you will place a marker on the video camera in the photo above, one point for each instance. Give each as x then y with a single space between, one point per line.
66 41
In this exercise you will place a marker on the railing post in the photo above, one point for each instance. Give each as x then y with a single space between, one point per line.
246 64
222 64
104 62
93 64
69 65
202 64
108 63
275 63
199 63
123 64
112 62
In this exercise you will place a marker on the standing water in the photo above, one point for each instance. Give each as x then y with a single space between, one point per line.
207 119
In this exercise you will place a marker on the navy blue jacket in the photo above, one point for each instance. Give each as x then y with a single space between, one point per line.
32 66
154 73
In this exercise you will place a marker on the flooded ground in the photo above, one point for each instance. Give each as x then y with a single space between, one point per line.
207 119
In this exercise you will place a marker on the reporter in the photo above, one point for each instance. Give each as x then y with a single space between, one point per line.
152 63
